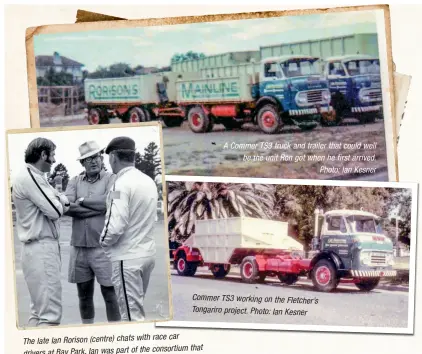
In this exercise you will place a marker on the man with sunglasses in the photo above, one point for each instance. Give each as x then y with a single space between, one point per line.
87 194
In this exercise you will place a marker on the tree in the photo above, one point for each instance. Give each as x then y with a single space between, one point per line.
190 55
59 171
114 70
191 201
53 78
150 162
401 208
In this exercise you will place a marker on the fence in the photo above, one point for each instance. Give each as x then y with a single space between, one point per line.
60 100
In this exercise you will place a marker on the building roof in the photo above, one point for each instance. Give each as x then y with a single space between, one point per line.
346 212
351 57
48 60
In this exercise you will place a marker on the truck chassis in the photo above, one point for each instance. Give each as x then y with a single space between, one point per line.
324 269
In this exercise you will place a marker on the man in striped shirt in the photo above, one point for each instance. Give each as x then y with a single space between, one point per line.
38 209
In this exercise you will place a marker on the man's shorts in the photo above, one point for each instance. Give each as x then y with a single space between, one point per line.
86 263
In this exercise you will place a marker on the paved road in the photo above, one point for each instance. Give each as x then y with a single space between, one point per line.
156 301
345 307
187 153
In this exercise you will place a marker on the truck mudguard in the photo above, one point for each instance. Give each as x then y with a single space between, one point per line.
328 255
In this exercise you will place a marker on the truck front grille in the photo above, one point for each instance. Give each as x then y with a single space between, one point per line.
378 259
314 96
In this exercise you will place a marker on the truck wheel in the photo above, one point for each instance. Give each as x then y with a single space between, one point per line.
288 279
136 115
172 122
199 122
249 270
269 119
94 116
368 284
220 270
184 267
324 276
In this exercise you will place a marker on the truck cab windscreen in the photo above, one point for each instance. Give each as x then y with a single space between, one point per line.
364 224
363 67
296 68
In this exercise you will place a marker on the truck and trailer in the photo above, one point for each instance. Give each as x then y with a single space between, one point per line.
276 92
348 247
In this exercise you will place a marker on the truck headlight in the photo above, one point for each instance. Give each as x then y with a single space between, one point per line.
365 258
364 95
326 96
302 99
389 259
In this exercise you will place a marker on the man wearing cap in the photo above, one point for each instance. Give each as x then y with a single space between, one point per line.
128 232
38 208
87 194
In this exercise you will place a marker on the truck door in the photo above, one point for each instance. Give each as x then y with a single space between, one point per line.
337 78
271 82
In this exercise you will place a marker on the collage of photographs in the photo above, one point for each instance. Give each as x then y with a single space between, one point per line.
227 171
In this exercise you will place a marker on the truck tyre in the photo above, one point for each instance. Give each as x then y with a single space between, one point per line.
184 267
249 270
269 119
220 270
172 121
288 279
324 276
368 284
95 116
136 115
199 122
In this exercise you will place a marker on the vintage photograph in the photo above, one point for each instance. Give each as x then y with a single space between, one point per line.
298 95
90 243
311 256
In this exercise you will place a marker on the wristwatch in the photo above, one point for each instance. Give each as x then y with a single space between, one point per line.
81 200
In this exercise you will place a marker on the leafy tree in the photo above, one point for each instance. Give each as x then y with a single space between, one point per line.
401 208
150 162
114 70
191 201
190 55
53 78
59 171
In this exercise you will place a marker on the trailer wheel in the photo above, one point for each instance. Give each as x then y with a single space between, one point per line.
172 122
184 267
94 116
249 270
368 284
220 270
288 279
269 119
136 115
324 276
199 122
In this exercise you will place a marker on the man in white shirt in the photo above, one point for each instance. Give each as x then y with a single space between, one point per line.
128 236
38 209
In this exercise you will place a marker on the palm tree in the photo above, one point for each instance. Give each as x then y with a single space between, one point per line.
191 201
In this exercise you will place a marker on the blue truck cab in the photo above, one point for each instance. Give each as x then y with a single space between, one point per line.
351 244
291 90
355 86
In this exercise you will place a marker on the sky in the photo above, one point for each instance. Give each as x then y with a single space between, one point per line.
155 45
68 142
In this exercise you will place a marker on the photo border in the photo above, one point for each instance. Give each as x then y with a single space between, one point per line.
102 24
10 213
410 330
